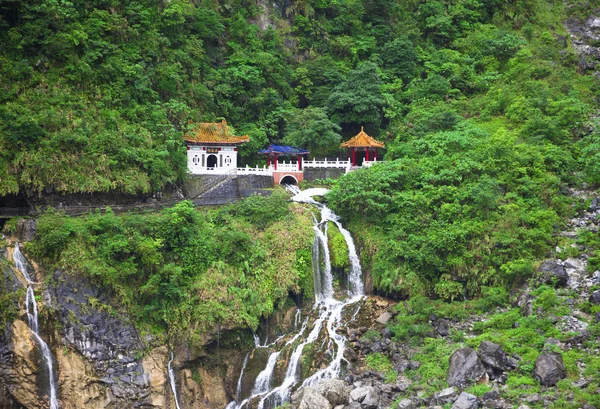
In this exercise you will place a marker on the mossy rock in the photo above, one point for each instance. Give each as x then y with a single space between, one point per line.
338 249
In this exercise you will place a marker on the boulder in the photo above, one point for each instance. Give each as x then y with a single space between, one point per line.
549 368
402 365
447 395
353 405
387 333
552 271
358 394
492 355
403 383
384 318
334 390
595 297
466 401
309 398
406 404
525 302
443 328
465 366
371 401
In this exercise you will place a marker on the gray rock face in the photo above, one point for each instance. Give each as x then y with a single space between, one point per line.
552 271
110 344
492 355
309 398
549 368
26 229
466 401
334 390
465 367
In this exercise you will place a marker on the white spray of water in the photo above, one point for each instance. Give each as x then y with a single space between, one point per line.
32 319
172 380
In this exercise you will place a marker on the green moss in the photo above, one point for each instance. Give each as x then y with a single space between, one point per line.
338 249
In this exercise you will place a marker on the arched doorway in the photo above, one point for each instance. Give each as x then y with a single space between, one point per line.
288 180
211 161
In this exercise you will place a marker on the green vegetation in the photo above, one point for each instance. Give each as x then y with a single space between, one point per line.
485 132
520 335
381 363
97 94
186 270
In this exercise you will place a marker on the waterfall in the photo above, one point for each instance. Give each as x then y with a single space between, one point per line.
263 380
172 380
297 318
32 319
327 308
21 263
356 287
238 391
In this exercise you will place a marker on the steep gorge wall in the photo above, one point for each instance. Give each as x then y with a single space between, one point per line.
101 360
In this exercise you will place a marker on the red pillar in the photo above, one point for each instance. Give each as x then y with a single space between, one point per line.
353 156
275 162
268 161
299 162
367 154
375 155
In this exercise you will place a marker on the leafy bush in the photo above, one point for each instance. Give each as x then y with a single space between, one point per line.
185 270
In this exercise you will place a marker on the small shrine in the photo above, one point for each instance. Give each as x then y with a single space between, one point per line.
211 149
286 172
362 148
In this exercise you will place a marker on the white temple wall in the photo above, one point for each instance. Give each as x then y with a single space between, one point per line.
213 160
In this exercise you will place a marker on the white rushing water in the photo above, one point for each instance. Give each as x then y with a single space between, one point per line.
32 319
238 390
172 381
329 316
21 263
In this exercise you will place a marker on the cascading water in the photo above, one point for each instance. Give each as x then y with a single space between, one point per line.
172 381
32 319
328 309
238 391
21 263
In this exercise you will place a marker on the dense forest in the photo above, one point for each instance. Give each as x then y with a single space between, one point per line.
484 105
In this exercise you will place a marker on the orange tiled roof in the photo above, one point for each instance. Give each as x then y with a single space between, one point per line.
362 140
214 132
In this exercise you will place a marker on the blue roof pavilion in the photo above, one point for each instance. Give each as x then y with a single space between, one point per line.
283 150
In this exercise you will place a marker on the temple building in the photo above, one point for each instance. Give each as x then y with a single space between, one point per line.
362 148
211 149
285 173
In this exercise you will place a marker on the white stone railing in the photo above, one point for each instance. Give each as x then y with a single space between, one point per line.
331 164
254 171
286 167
